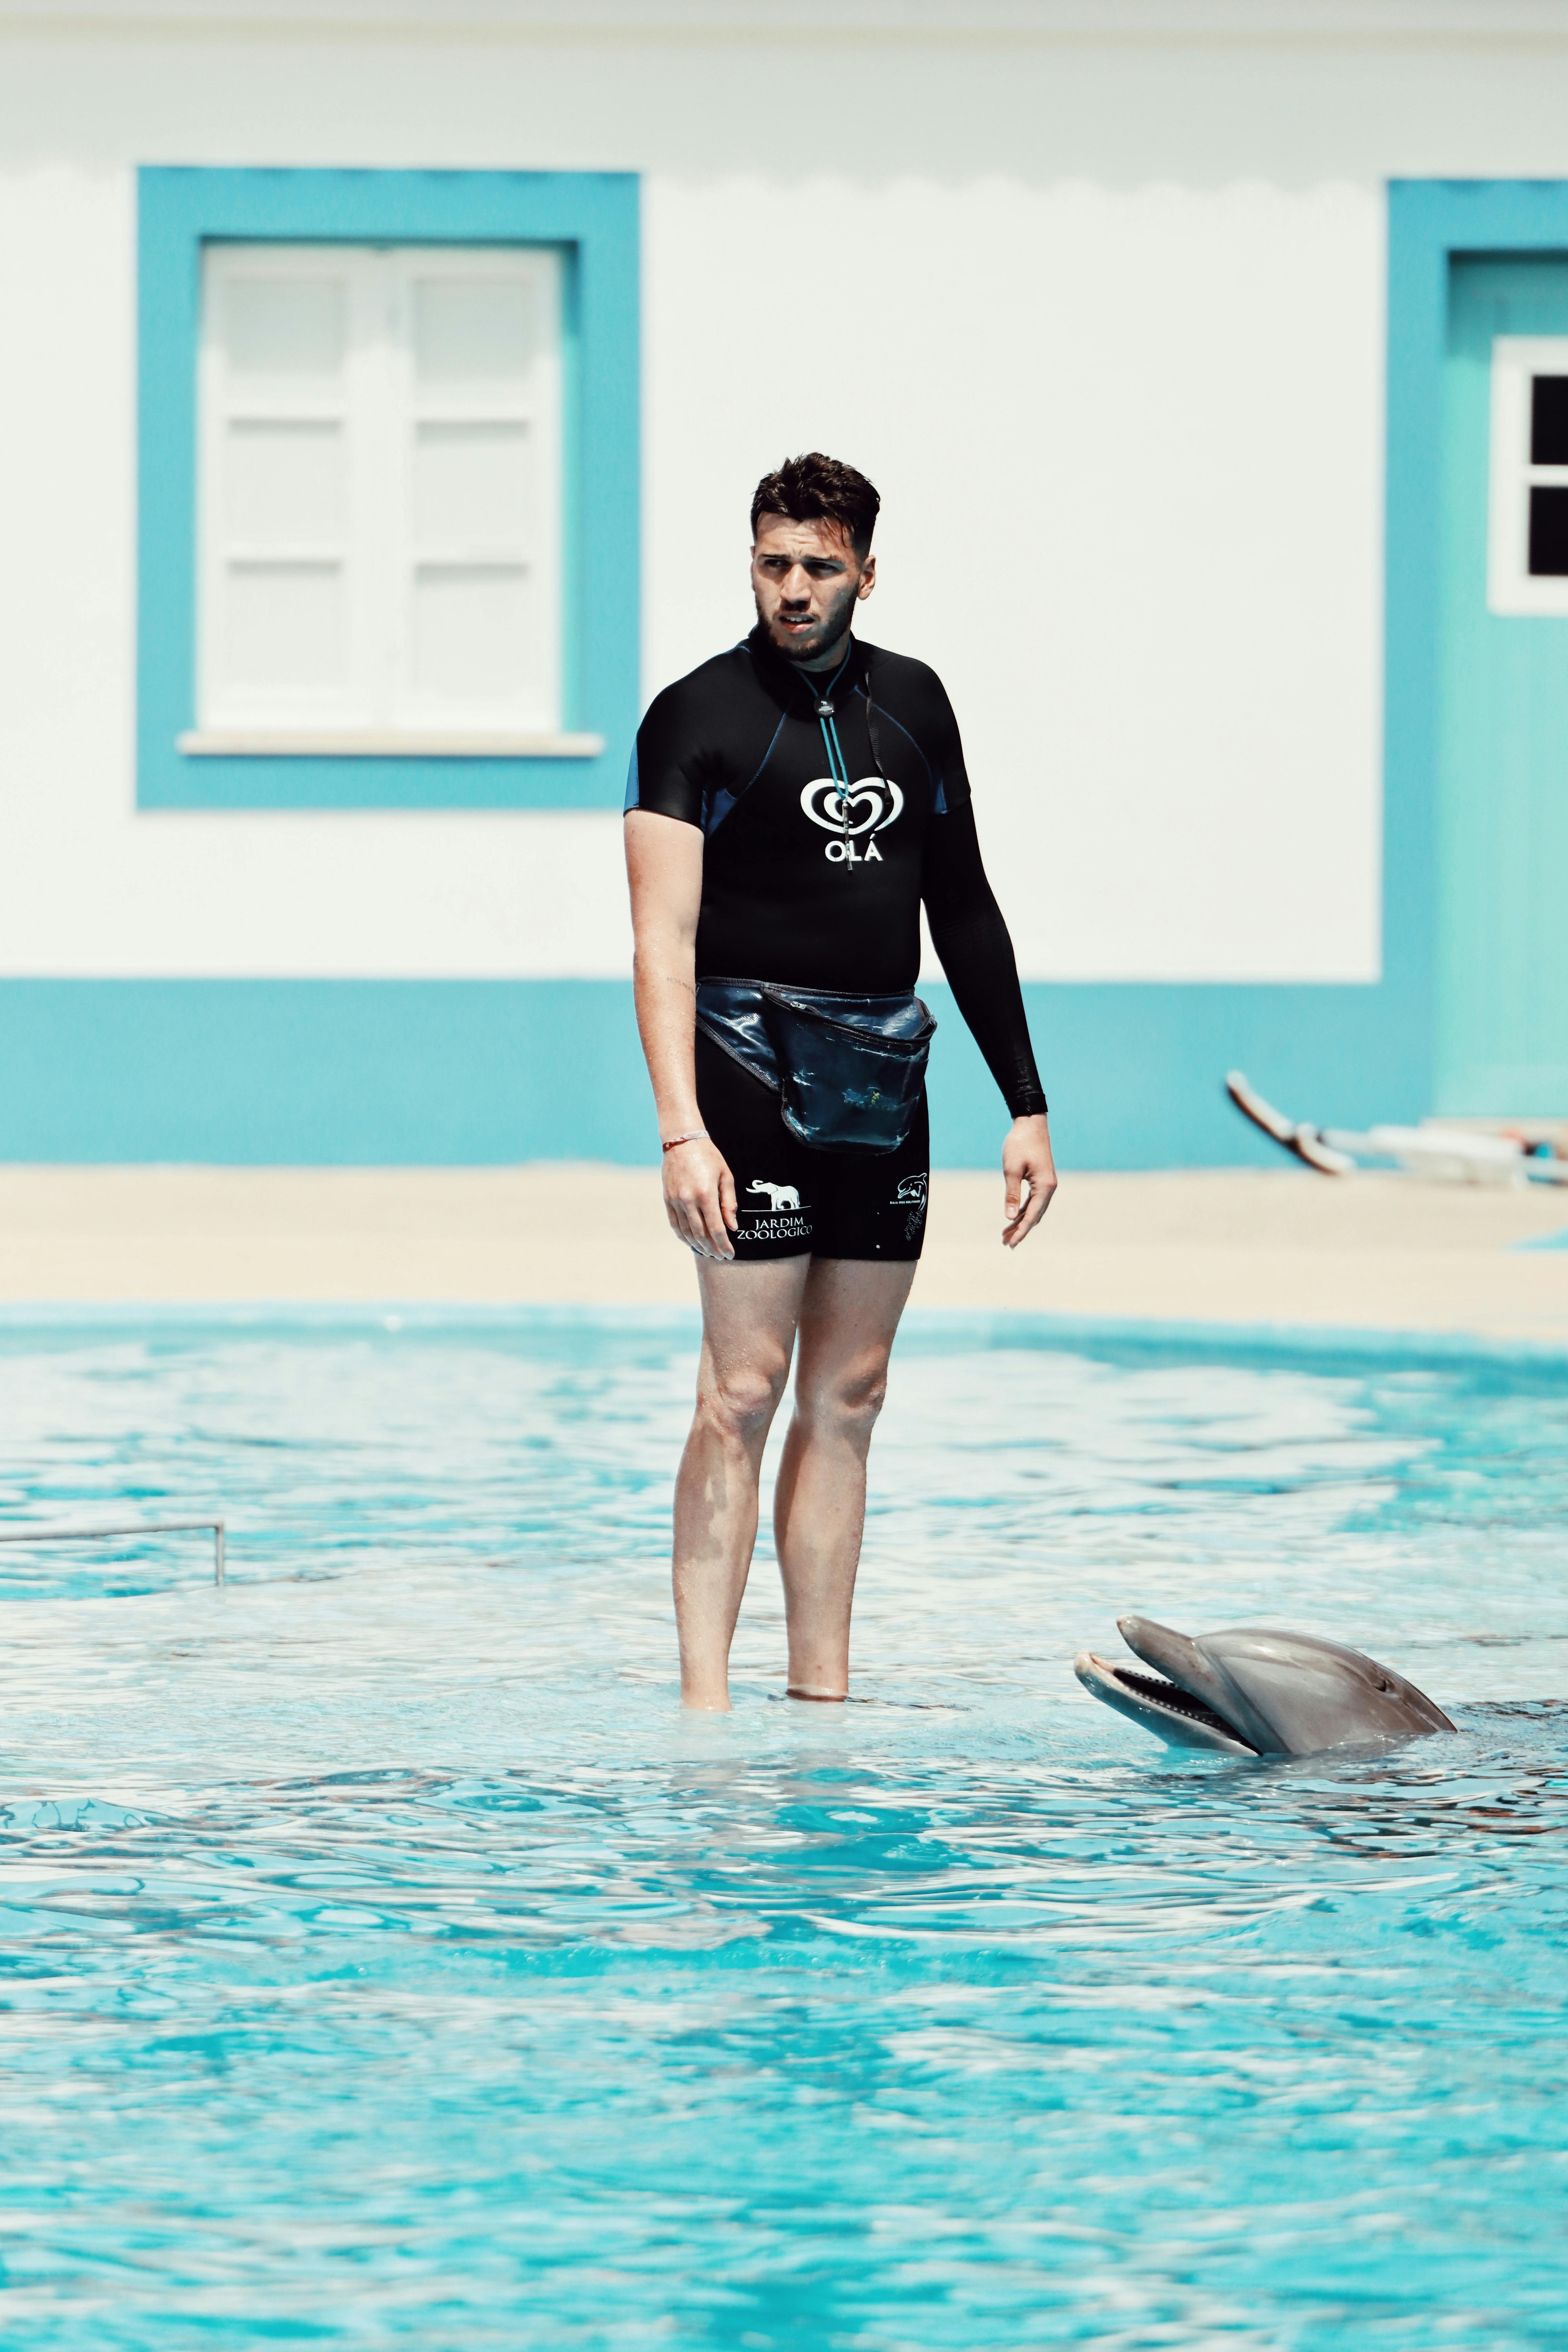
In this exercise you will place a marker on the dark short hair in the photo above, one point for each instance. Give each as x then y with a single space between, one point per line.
814 489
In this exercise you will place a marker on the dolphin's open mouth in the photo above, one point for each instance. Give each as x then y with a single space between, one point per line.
1157 1702
1173 1700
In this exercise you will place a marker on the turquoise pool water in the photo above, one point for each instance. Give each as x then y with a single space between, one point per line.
387 1963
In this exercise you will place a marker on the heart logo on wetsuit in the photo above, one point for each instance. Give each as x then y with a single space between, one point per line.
868 806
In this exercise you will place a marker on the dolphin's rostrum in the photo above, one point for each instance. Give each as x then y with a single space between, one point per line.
1255 1692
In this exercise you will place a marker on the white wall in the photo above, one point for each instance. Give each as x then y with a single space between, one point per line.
1128 445
1104 323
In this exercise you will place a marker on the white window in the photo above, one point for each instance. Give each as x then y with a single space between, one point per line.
1527 542
380 500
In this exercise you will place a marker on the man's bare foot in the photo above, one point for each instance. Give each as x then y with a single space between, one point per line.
825 1697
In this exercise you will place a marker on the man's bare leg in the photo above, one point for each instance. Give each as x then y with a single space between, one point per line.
846 1319
749 1316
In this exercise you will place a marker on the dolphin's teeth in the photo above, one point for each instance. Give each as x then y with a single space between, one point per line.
1177 1701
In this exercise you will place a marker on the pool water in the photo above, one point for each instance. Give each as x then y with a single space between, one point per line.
388 1962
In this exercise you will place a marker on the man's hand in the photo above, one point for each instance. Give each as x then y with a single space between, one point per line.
699 1197
1031 1175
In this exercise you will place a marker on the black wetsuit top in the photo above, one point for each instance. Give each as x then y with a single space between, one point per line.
802 883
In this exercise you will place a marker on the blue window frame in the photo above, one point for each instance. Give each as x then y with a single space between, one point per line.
593 219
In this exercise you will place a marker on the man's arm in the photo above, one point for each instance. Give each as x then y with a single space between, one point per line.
970 934
663 868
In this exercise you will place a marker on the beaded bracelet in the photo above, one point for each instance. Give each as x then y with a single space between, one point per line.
698 1135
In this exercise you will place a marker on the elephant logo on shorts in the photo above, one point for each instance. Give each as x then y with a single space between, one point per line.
782 1196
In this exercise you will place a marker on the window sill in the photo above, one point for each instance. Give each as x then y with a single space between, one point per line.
372 743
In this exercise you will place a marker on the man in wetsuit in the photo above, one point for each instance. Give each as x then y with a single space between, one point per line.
780 826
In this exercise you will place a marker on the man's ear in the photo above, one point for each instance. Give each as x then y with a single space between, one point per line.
867 578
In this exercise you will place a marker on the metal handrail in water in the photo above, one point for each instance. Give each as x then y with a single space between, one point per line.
142 1528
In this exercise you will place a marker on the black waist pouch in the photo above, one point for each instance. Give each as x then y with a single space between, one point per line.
849 1070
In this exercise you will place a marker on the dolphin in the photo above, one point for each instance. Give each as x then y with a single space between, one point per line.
1254 1692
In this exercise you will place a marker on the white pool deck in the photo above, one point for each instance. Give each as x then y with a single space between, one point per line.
1218 1245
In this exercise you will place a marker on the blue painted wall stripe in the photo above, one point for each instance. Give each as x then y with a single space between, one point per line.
432 1072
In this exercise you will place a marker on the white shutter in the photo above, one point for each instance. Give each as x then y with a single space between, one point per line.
380 491
283 393
479 593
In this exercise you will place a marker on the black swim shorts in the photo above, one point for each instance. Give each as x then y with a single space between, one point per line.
793 1199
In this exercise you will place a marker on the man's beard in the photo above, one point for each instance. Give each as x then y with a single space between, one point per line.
834 623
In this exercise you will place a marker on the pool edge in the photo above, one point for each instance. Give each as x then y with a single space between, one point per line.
989 1327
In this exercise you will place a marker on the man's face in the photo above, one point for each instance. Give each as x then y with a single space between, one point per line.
807 579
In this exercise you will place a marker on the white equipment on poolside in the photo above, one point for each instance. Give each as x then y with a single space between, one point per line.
1444 1155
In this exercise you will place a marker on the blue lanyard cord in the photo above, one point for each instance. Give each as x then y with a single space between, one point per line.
838 765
